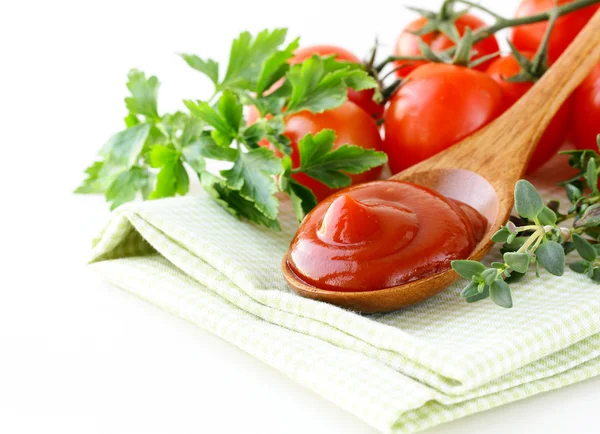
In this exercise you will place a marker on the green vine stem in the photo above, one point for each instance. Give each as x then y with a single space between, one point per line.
500 24
504 23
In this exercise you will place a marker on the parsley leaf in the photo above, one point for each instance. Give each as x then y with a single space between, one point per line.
275 67
208 67
172 178
248 55
320 161
144 93
302 198
126 186
124 148
271 130
321 83
95 182
234 203
226 120
252 175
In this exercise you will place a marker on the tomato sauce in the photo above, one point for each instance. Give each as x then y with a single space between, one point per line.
382 234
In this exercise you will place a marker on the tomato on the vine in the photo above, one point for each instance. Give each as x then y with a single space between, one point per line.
506 67
352 126
587 111
407 43
528 37
364 98
438 106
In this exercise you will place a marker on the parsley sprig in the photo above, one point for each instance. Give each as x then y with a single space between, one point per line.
155 153
536 238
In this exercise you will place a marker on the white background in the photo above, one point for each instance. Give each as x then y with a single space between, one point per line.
79 356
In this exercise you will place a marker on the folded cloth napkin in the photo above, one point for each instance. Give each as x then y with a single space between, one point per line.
400 372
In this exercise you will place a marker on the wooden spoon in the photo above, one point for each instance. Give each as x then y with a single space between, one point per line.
481 171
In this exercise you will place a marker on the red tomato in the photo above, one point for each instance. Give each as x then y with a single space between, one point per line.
352 125
529 37
364 98
587 111
407 44
558 129
438 106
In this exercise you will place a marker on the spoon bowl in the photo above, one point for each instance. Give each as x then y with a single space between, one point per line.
480 171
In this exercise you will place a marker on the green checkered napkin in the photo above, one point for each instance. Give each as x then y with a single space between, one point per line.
400 372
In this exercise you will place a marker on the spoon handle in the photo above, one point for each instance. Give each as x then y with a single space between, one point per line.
526 121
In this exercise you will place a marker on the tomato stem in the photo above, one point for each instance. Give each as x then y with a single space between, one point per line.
480 7
389 59
504 23
540 60
500 24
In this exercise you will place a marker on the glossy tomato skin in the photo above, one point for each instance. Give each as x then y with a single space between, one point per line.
529 37
364 98
586 111
352 125
407 42
558 129
438 106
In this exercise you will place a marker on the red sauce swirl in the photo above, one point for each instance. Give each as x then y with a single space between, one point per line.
382 234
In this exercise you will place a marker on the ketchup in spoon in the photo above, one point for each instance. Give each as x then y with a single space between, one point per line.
382 234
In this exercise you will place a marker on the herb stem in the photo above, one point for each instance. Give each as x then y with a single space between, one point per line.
539 233
527 228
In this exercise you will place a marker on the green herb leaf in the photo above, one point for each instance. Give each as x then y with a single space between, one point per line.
584 248
514 277
208 67
172 178
481 296
192 155
319 161
514 244
302 198
126 186
551 256
96 182
247 57
123 149
579 266
271 130
547 217
489 275
501 236
573 193
226 121
590 218
252 175
596 275
207 146
500 294
234 203
517 261
320 84
470 290
275 67
468 269
527 200
144 94
591 175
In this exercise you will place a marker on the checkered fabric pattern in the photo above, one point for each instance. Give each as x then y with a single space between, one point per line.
400 372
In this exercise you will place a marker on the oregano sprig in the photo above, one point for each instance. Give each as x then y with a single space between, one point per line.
538 240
